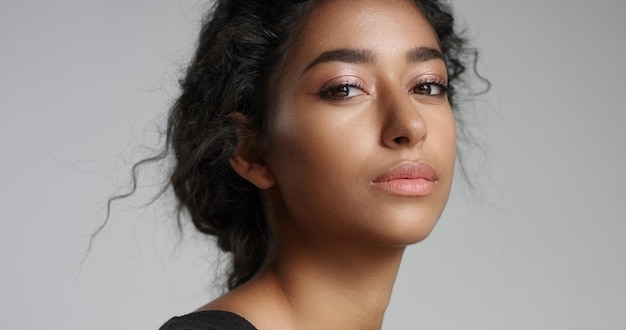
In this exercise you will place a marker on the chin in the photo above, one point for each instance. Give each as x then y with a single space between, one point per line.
404 233
414 237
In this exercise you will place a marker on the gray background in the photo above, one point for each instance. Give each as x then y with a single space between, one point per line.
538 244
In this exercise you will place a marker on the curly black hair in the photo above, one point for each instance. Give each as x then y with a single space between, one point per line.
241 44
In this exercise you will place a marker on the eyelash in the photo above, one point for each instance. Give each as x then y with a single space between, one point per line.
443 85
325 91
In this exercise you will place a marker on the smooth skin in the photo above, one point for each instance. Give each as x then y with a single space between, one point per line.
361 92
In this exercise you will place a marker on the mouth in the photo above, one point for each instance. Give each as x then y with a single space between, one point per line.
408 179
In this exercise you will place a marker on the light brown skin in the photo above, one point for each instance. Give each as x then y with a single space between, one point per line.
338 239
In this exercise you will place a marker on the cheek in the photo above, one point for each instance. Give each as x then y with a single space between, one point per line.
310 147
315 157
300 168
315 136
294 140
443 135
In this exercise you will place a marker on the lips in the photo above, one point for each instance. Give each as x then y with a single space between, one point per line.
408 179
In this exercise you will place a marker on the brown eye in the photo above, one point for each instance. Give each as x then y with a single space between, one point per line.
342 91
431 89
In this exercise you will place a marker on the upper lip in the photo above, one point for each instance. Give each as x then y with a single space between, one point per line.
409 171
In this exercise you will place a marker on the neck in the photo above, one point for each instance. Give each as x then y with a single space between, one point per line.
306 286
335 287
318 280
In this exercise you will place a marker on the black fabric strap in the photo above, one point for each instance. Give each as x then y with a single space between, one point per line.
208 320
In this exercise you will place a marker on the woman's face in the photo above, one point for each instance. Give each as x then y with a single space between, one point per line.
362 137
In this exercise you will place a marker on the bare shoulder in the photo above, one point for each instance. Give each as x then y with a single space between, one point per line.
259 301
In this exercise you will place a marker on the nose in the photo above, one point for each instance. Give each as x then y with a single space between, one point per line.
403 124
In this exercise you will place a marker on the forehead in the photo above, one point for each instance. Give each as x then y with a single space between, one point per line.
364 24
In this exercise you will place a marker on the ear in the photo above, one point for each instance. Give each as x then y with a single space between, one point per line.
247 160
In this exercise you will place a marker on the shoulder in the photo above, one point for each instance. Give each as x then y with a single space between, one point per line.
208 320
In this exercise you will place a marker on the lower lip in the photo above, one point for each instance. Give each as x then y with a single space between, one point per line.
407 187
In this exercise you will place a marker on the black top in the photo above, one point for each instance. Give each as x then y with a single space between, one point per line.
208 320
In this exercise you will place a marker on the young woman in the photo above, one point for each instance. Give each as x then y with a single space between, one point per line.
315 140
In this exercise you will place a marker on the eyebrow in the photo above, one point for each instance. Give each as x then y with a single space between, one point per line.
343 55
415 55
423 54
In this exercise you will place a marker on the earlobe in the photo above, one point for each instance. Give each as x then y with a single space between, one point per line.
247 161
258 174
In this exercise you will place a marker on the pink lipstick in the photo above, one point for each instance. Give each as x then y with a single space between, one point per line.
408 179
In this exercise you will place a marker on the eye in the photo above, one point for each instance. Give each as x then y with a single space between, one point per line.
432 88
341 91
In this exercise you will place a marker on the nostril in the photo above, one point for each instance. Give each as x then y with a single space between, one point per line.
401 140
